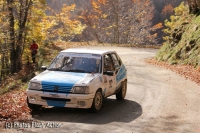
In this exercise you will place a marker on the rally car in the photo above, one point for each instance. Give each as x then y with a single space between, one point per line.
79 78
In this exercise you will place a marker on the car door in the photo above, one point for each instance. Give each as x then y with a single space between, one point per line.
121 73
109 75
117 66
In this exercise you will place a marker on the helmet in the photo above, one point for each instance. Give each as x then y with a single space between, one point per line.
92 60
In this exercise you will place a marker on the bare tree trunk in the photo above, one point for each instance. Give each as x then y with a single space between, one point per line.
96 36
193 8
16 46
3 66
2 63
198 3
22 24
12 38
93 30
116 21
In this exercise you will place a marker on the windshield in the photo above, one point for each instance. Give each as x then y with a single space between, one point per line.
76 62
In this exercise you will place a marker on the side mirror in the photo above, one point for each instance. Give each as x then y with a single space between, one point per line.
43 68
109 73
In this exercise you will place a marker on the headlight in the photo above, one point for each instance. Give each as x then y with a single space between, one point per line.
80 89
34 86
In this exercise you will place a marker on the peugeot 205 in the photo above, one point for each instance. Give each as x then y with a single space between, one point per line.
79 78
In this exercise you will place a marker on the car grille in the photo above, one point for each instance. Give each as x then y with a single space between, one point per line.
56 99
61 89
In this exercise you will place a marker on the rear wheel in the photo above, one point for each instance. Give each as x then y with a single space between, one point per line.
122 93
97 101
33 106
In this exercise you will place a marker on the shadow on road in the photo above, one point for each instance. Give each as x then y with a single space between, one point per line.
112 111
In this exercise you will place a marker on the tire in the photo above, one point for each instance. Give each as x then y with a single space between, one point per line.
122 93
33 106
97 101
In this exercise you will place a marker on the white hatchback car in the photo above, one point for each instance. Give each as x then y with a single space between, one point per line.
79 78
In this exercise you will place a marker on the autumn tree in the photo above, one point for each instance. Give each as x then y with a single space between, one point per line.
66 28
91 16
176 21
18 15
4 47
198 3
142 14
194 6
167 11
18 21
163 7
120 21
39 24
24 20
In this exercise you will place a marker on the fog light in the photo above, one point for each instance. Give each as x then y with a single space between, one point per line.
32 98
81 103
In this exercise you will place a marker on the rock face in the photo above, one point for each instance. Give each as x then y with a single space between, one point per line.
183 45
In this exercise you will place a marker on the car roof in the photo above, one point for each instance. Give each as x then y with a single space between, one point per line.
86 50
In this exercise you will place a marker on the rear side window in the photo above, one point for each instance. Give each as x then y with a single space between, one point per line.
116 61
108 63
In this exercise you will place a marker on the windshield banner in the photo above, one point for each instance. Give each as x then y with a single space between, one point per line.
62 55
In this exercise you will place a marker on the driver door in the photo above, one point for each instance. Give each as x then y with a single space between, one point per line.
109 75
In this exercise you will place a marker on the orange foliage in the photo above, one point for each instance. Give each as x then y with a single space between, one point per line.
157 26
168 9
145 3
13 106
155 35
102 2
94 4
136 1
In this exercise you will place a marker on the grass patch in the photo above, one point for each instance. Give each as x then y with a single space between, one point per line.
187 49
13 85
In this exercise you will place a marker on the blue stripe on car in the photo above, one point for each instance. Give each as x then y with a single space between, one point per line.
56 103
63 80
121 74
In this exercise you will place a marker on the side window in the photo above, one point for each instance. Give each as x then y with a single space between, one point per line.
116 62
108 63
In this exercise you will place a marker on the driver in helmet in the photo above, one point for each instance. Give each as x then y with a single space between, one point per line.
92 65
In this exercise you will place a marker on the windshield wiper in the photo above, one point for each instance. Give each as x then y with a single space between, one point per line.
54 69
76 70
91 72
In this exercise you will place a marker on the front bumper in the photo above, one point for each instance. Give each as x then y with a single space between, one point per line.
60 99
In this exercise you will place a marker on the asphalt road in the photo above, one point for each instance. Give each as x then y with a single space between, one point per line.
157 101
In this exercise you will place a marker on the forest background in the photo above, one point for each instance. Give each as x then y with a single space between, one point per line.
103 21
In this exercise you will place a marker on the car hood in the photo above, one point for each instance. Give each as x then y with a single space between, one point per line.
63 78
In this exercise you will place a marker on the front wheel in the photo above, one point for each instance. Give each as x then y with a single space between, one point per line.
97 101
122 93
33 106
